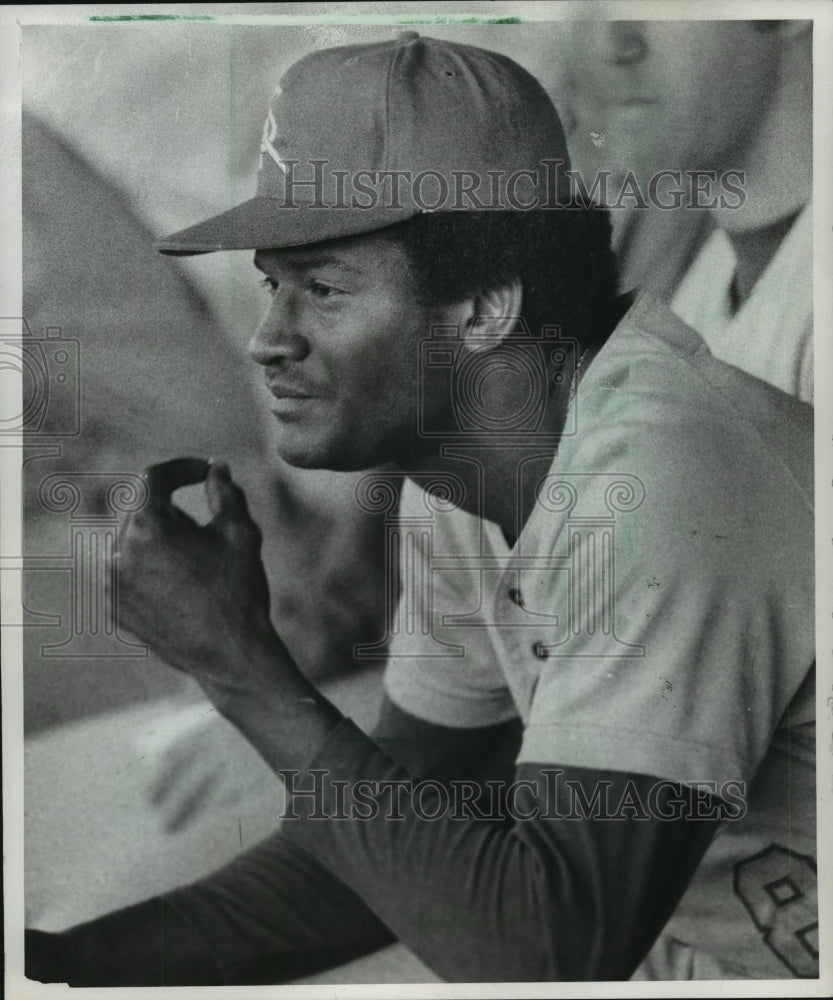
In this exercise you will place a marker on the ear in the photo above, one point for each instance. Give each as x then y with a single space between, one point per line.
494 315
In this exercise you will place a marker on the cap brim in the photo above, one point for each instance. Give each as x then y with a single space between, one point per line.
264 224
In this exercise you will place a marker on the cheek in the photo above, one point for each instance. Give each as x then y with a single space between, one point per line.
375 362
587 59
716 79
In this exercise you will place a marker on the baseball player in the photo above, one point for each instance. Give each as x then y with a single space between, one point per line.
595 756
726 98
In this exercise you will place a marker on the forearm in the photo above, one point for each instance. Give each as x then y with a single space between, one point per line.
494 898
274 913
508 899
148 944
271 915
471 898
281 713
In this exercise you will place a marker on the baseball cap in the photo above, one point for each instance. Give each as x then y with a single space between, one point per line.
360 137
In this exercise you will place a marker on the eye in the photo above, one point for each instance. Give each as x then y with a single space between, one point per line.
323 291
270 284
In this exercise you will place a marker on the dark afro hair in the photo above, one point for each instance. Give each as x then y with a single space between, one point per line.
562 258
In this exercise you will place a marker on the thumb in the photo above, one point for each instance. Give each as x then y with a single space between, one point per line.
225 498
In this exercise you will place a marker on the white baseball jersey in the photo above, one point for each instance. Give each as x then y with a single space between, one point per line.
654 617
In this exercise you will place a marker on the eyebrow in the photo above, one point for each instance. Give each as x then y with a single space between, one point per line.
308 262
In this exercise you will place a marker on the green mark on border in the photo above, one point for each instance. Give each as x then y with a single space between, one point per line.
332 20
445 19
151 17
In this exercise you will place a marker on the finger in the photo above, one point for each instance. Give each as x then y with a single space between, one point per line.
226 499
146 524
166 477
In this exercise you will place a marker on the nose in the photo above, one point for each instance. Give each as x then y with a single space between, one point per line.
626 43
277 338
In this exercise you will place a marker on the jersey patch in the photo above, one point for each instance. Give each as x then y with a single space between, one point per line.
779 889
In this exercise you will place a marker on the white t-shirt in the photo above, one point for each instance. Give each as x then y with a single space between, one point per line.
771 335
654 617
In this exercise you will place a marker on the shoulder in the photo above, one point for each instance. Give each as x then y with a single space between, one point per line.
655 395
716 455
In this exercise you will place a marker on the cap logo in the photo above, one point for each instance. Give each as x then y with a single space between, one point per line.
270 131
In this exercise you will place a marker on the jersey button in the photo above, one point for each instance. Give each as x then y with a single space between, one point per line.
516 597
540 650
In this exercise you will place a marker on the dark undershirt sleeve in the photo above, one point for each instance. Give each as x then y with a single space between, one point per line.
486 897
489 896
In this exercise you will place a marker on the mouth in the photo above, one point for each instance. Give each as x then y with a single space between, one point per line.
289 409
287 390
282 394
610 98
290 401
632 103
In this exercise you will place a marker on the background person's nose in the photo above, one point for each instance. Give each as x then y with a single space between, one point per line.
626 43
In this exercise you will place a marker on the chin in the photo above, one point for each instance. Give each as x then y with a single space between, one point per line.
331 458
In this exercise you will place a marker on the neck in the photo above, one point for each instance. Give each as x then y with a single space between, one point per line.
754 250
777 158
500 480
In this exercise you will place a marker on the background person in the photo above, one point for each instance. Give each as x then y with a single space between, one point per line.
712 96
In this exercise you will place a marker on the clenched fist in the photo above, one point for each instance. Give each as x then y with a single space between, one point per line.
197 595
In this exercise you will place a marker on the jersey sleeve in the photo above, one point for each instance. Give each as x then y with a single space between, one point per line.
710 610
442 666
